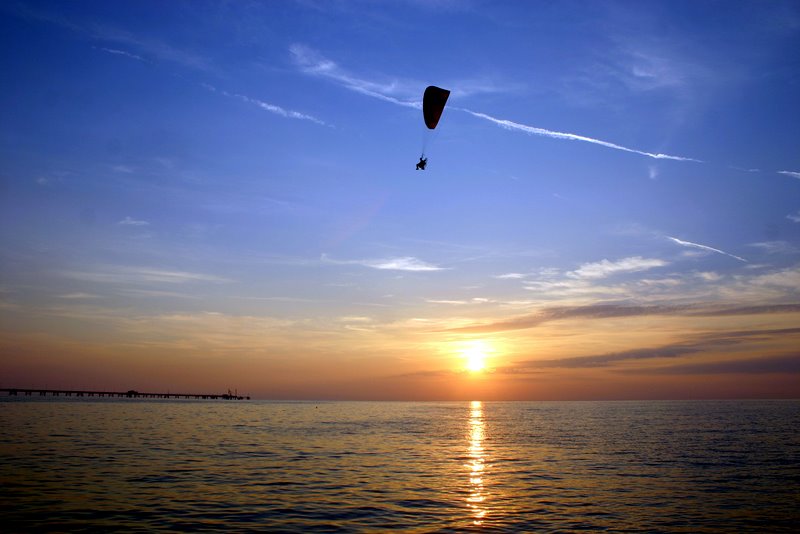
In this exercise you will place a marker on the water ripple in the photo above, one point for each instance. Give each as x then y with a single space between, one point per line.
143 466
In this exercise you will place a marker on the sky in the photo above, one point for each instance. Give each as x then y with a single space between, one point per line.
204 195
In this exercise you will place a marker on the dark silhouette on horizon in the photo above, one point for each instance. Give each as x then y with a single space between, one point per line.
130 394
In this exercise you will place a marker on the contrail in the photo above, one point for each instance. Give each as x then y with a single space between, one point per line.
315 64
121 53
266 106
532 130
703 247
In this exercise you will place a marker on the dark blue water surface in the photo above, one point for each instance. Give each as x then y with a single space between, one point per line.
139 465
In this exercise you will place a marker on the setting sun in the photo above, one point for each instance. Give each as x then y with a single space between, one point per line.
475 361
475 354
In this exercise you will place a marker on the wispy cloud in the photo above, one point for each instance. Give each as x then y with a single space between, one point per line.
605 311
143 45
156 293
402 93
155 49
474 300
312 62
604 360
448 302
509 276
698 246
775 247
266 106
122 53
650 70
693 345
596 311
785 280
709 276
79 296
148 46
744 310
403 264
606 268
533 130
406 263
129 221
794 217
128 275
783 364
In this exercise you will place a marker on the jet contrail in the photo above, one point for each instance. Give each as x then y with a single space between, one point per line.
532 130
314 63
703 247
266 106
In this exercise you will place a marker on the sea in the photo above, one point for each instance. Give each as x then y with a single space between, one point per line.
134 465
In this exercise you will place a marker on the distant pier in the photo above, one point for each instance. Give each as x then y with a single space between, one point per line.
130 394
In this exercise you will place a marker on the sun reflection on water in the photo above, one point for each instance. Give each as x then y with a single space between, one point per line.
476 464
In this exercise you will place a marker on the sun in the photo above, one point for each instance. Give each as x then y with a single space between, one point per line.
476 360
475 354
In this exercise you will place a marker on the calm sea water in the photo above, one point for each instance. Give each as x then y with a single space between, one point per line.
138 465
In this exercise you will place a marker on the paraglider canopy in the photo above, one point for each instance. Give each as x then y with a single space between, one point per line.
433 102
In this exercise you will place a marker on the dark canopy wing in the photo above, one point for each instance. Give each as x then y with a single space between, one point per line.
433 103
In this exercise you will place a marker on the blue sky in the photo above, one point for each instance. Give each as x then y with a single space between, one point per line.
213 194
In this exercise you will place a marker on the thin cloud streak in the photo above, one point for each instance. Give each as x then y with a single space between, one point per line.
151 47
689 244
596 311
696 344
784 364
793 174
604 311
129 221
533 130
311 62
156 49
122 53
607 268
745 310
171 54
101 32
79 296
266 106
509 276
406 263
134 275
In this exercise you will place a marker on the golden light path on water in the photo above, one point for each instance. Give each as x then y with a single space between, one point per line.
476 464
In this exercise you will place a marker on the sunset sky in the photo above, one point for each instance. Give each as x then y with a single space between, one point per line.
196 196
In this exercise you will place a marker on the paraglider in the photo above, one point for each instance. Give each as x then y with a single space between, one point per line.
433 102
